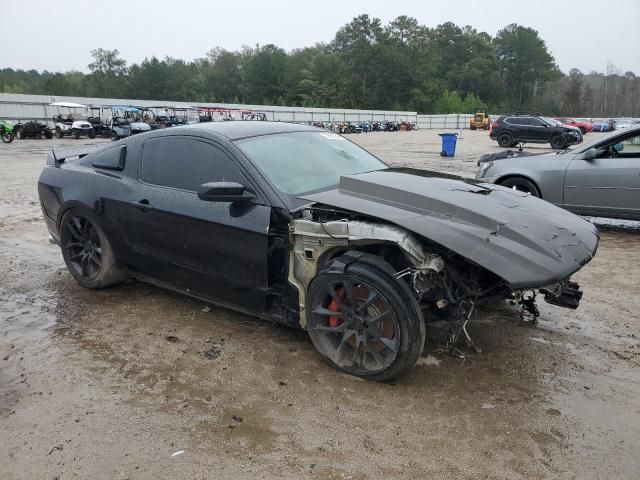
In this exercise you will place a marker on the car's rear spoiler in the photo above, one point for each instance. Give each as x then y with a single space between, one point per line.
58 156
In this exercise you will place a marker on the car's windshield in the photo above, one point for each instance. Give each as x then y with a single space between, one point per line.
301 162
600 139
552 122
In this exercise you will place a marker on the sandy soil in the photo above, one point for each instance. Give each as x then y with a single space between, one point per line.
135 382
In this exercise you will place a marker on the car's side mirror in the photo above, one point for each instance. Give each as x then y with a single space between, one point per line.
224 192
589 154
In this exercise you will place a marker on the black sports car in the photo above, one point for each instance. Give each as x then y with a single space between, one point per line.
300 226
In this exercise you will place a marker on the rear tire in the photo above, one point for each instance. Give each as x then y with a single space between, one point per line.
92 134
363 321
522 185
505 140
87 251
7 137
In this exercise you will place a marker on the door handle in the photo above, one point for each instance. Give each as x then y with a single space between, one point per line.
142 205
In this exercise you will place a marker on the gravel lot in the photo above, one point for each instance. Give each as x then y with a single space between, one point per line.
135 382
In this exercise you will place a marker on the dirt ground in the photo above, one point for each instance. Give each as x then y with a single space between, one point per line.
135 382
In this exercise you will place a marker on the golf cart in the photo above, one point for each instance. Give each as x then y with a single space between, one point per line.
209 114
6 131
126 121
66 124
186 115
164 117
98 120
247 115
32 129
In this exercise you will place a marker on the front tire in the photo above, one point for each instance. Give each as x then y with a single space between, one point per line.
87 251
557 142
522 185
363 321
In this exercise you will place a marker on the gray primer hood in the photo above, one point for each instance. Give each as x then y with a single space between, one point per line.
526 241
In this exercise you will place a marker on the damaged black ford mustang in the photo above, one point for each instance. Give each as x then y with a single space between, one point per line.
300 226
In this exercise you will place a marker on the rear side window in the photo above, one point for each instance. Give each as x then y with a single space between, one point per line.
111 159
186 163
536 122
518 120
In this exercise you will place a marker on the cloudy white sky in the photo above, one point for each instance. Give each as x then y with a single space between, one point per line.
584 33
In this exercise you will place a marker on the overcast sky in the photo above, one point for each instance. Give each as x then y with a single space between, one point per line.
58 37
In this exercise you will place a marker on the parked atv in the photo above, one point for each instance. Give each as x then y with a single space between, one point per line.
6 131
66 124
32 129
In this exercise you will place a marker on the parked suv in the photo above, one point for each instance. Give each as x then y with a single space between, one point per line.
510 130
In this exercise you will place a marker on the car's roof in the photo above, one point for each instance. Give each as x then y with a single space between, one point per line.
237 129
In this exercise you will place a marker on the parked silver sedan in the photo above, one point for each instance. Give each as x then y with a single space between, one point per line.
600 178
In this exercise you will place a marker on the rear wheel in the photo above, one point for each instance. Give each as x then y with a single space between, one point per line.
364 322
522 185
92 134
558 142
87 252
505 140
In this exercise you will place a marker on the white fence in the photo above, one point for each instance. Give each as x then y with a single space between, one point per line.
456 121
17 107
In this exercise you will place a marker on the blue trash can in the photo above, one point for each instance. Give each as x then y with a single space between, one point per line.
448 144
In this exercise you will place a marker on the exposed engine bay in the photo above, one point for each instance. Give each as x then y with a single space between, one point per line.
446 285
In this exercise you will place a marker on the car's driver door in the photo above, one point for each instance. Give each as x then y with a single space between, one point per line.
212 249
609 184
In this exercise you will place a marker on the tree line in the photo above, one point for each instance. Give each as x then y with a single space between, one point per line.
398 66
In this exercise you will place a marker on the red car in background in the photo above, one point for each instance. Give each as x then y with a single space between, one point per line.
584 126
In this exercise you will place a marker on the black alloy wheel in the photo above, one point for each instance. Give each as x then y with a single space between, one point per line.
356 326
558 142
505 140
364 321
83 248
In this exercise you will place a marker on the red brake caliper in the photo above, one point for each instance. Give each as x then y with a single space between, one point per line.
333 306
